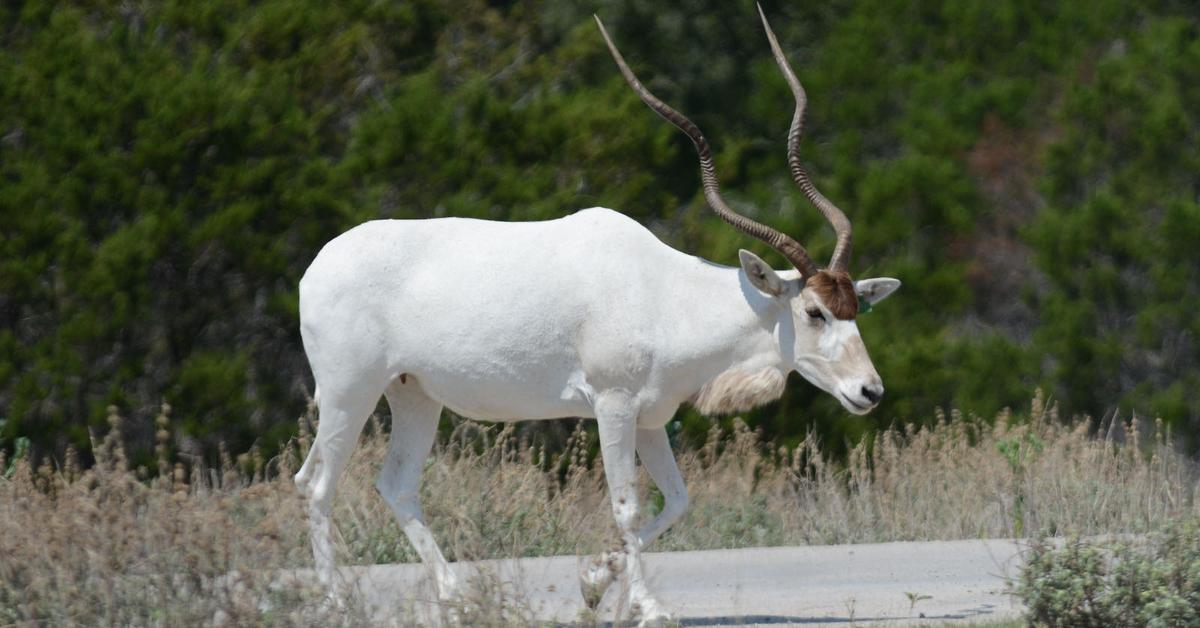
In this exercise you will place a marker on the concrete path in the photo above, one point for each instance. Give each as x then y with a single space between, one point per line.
959 582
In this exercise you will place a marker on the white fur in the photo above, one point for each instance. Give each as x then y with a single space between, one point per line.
736 390
588 316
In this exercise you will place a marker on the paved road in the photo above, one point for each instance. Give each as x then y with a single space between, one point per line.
811 586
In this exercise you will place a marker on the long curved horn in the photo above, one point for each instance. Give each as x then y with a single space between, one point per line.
788 247
835 216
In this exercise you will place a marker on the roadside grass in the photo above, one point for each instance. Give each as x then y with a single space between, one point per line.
194 544
1145 580
1009 623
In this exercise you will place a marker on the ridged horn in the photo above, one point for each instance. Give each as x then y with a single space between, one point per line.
841 225
788 247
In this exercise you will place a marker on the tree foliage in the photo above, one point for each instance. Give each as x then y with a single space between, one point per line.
1030 170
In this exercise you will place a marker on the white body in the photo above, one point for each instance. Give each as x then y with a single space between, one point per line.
585 316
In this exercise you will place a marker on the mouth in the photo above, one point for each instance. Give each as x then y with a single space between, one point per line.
855 406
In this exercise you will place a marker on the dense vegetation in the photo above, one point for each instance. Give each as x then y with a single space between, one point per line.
1125 582
1030 170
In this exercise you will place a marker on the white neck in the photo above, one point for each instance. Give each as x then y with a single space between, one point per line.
727 337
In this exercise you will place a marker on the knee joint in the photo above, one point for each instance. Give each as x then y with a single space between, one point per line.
625 511
675 505
301 479
320 494
403 503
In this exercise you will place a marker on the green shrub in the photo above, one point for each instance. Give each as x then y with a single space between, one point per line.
1152 581
168 170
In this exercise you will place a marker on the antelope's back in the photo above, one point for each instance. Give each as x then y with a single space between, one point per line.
486 304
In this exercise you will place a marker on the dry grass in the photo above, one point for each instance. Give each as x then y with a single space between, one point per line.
105 545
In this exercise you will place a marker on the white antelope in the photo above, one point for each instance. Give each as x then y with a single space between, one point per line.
584 316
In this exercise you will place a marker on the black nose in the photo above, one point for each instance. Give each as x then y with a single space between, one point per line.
872 394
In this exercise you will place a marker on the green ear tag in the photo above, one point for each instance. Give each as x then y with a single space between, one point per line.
864 306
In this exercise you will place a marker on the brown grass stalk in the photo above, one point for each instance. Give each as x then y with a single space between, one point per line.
195 545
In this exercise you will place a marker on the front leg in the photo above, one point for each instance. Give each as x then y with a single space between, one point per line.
654 450
616 416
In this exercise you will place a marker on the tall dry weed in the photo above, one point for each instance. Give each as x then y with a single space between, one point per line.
200 544
107 546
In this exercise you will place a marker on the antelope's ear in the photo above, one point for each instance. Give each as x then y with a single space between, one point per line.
875 290
760 275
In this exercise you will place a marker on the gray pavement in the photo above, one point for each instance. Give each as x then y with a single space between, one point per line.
841 585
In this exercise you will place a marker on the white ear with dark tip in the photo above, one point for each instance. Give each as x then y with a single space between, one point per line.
761 275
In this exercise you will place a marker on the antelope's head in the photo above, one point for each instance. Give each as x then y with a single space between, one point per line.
822 303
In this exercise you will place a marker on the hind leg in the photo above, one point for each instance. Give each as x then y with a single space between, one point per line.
654 450
304 475
342 415
414 425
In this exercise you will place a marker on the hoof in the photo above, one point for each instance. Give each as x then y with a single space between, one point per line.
598 576
448 589
334 599
650 613
452 608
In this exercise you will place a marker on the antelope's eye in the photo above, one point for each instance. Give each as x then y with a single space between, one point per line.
815 313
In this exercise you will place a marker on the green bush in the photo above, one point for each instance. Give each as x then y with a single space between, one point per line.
1125 582
1030 170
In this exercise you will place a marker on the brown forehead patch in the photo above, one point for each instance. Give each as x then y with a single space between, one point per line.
836 291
